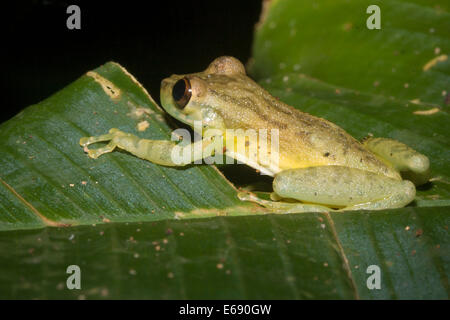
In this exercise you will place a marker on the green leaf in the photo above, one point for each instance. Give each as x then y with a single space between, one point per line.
317 56
321 58
295 256
329 40
47 179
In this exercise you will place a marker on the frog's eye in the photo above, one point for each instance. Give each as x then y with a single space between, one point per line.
182 92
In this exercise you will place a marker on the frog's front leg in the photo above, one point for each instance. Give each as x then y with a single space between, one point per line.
156 151
340 188
413 165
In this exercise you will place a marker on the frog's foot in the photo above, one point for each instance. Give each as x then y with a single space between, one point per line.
95 153
280 207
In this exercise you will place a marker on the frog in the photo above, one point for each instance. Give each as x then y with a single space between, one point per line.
319 168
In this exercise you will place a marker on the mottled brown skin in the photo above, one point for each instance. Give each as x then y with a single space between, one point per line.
243 104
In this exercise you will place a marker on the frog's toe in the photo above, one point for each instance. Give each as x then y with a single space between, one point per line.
94 154
84 141
114 132
247 196
282 207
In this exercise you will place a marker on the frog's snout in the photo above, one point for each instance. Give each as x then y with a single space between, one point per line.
165 89
164 84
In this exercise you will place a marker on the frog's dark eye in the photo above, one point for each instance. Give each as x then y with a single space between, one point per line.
182 92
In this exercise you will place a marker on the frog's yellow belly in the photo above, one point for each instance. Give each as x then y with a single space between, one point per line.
354 156
302 152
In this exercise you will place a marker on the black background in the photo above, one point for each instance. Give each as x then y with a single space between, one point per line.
291 309
151 39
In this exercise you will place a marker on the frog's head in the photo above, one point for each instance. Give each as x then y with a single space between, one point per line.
201 96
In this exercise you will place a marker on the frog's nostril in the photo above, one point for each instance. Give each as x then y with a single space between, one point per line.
182 92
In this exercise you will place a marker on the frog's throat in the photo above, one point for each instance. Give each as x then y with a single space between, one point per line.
188 119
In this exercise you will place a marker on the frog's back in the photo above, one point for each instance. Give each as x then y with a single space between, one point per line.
304 140
320 142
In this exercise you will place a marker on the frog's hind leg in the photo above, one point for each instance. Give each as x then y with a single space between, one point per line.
283 207
343 187
413 165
